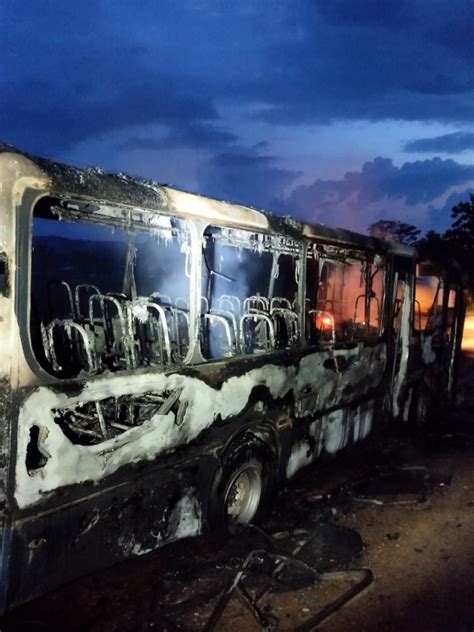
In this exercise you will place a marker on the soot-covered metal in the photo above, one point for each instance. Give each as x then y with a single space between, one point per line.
179 356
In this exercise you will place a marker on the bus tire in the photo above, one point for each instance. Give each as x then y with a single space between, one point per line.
243 486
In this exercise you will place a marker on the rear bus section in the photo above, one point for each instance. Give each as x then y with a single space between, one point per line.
438 319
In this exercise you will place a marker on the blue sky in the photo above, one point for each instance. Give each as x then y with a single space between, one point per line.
334 111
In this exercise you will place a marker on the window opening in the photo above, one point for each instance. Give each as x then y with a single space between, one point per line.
248 293
347 306
90 423
428 301
284 300
107 297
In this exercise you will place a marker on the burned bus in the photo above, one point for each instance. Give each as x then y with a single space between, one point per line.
168 359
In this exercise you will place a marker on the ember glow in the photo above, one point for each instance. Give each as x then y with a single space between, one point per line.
323 320
468 335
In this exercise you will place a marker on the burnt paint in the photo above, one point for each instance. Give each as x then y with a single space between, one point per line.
57 546
94 184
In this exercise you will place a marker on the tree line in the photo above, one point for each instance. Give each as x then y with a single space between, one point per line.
456 243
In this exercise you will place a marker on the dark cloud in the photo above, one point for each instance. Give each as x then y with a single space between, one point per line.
388 15
247 178
59 123
114 73
450 25
68 78
448 143
205 136
73 72
371 60
440 217
422 181
378 184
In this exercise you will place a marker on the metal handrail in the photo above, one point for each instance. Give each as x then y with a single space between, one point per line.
216 318
68 326
261 317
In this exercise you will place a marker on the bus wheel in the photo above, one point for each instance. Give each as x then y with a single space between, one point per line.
243 487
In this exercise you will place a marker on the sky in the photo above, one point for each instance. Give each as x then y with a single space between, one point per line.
341 112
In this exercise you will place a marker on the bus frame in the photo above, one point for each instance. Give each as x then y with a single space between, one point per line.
262 385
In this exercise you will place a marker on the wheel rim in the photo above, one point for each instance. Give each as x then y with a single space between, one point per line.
244 494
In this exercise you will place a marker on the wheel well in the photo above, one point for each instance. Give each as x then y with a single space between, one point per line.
264 432
256 442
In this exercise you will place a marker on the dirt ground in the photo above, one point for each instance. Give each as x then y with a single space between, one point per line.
421 554
409 519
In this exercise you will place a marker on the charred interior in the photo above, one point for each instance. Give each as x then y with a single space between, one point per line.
107 294
110 291
90 423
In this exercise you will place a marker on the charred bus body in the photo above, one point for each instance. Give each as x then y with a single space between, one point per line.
167 359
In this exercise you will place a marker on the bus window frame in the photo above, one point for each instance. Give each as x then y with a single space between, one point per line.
340 254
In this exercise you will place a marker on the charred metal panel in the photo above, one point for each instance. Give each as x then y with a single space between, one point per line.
94 183
5 421
17 174
337 377
66 463
131 519
329 433
111 422
5 516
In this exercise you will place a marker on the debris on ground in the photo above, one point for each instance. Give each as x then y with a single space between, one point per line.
380 511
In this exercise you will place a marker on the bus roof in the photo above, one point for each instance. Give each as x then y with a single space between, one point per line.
95 183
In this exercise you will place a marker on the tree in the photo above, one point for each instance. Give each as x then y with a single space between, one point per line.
456 244
434 246
460 237
461 232
392 230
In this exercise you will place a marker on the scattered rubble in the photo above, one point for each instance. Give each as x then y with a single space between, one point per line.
331 537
